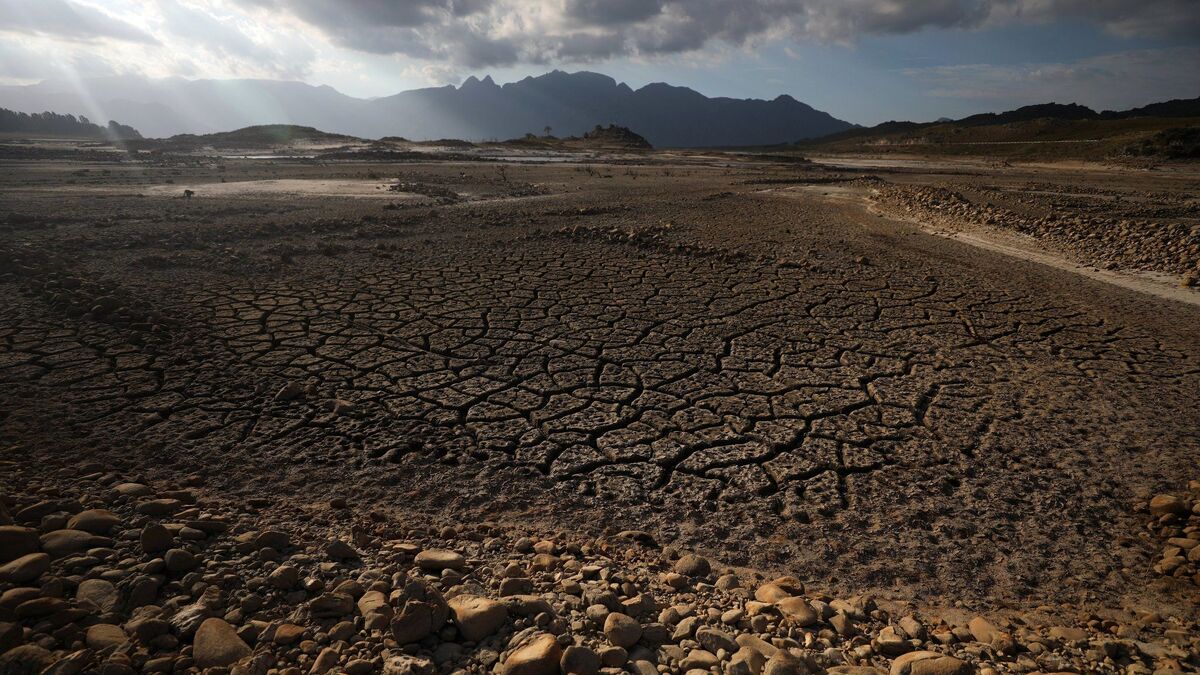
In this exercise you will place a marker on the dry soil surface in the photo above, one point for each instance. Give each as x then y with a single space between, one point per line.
779 380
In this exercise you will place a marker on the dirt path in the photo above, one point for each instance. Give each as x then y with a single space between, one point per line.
1165 286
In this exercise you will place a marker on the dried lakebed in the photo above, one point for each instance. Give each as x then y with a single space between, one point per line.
786 383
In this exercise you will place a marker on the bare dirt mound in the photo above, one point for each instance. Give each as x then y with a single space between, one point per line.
614 136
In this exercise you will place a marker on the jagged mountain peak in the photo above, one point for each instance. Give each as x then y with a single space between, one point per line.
570 103
473 82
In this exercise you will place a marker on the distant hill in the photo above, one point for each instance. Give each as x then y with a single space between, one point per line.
265 135
1045 131
1057 111
570 104
54 124
615 136
1180 107
287 137
612 137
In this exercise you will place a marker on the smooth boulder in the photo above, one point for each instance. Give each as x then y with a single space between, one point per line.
476 617
217 645
25 569
98 593
436 560
105 635
96 521
541 655
61 543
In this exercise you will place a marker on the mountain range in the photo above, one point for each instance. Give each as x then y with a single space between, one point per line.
1061 112
1046 131
568 103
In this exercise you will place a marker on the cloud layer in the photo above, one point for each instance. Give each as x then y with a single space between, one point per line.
65 19
483 33
1108 81
378 47
270 35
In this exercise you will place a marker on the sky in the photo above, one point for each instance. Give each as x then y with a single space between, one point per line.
865 61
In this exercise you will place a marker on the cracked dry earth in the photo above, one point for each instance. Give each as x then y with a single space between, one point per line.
778 380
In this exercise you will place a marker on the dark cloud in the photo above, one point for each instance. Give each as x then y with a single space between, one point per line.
1130 18
65 19
612 12
431 30
340 15
845 20
586 47
479 52
481 33
1113 81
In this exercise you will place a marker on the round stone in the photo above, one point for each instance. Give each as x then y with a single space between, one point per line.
541 655
436 560
941 665
477 618
159 507
284 577
217 645
784 663
272 539
613 657
1162 505
578 660
60 543
25 569
340 550
770 593
26 659
101 594
96 521
797 611
699 659
692 565
155 538
104 635
179 560
288 633
133 490
622 630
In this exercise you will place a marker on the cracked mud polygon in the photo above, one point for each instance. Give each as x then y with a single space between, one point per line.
689 345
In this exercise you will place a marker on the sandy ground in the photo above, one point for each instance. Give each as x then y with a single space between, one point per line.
1023 247
301 187
772 376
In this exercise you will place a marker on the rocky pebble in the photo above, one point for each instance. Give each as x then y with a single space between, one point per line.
1175 525
1100 236
218 585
